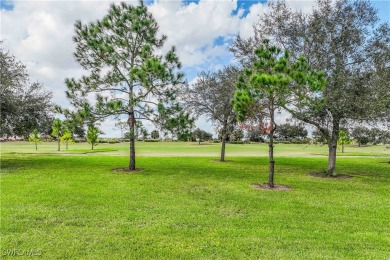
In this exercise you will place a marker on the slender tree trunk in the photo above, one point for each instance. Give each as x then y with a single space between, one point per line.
92 146
59 145
223 146
36 146
332 143
342 147
271 162
271 152
332 157
131 122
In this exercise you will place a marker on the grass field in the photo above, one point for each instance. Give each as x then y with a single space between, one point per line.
184 205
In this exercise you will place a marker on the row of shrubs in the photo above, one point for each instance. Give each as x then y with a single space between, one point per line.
151 140
108 140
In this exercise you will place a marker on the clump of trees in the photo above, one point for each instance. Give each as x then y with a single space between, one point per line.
364 135
345 40
201 135
61 132
289 132
361 135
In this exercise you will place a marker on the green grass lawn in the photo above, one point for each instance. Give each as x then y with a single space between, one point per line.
188 206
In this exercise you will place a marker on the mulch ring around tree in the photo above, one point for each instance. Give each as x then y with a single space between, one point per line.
264 186
138 170
324 175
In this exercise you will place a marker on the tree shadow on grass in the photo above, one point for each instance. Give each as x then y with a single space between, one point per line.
264 186
324 175
127 170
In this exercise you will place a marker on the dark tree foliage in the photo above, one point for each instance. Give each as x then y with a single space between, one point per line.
124 71
211 96
201 135
345 40
25 106
361 135
364 135
255 135
384 137
374 135
318 137
155 134
290 132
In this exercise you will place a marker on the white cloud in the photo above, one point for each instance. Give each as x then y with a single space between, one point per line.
193 28
301 5
39 33
246 25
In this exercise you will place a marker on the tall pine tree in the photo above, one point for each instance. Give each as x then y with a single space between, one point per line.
266 86
125 71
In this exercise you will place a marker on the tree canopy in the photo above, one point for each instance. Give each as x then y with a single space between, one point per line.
211 96
25 105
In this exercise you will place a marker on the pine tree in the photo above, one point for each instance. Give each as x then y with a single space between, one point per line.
126 74
266 87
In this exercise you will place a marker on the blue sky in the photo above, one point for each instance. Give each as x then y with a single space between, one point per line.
40 34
